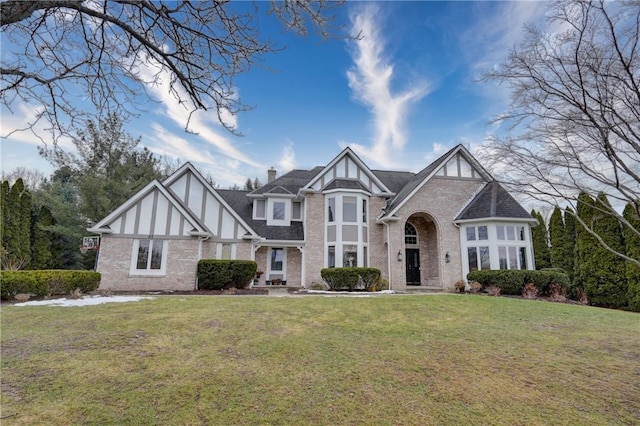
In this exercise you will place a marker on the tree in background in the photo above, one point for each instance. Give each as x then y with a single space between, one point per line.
600 272
570 242
540 242
16 225
55 50
557 239
107 169
575 109
632 243
41 239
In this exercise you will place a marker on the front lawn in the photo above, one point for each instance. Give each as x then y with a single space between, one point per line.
415 360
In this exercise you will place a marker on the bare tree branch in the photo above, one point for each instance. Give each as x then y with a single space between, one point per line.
574 118
76 60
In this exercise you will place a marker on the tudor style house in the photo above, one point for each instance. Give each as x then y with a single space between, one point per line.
423 230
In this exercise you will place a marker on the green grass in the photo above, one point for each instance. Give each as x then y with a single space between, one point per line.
390 360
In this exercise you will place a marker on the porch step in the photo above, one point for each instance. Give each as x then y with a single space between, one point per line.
424 289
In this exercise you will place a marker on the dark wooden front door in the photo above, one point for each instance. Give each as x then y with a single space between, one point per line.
413 266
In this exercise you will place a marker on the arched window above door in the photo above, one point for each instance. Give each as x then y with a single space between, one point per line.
410 234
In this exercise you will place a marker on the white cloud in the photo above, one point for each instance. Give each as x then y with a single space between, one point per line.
204 125
288 160
370 82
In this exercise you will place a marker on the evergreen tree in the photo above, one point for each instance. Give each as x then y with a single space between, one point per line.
632 243
557 239
570 242
600 272
541 250
16 224
4 199
41 222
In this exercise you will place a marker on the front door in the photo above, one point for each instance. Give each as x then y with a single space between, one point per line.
413 266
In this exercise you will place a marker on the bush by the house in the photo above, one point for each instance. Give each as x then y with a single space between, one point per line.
216 274
351 278
47 282
512 281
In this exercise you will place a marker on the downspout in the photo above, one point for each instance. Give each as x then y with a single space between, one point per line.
388 252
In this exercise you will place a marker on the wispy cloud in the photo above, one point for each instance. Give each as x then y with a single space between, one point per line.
288 160
204 126
370 80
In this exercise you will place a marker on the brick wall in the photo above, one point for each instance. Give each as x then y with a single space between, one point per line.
115 261
314 236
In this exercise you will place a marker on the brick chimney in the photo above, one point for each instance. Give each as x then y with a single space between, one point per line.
271 175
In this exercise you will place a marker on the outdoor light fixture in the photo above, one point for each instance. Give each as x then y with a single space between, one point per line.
399 256
447 258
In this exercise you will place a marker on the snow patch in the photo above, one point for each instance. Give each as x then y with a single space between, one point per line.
85 301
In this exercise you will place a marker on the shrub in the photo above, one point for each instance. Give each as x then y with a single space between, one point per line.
460 286
351 278
530 291
558 293
47 282
493 290
216 274
512 281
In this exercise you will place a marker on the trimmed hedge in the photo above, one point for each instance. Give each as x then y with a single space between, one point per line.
47 282
512 281
351 278
214 274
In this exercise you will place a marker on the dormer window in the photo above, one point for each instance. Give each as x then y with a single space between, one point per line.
260 209
278 210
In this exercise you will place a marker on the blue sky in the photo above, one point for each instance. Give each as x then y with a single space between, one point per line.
400 96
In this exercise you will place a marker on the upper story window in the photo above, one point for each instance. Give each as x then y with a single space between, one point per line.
296 212
260 209
278 210
331 212
349 209
364 211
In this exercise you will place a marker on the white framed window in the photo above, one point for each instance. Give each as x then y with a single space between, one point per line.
260 209
277 264
296 211
331 209
149 257
410 234
278 212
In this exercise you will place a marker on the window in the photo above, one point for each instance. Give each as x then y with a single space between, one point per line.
512 257
410 234
331 257
278 210
349 209
350 256
296 213
364 211
480 233
331 213
471 233
478 258
225 252
149 256
277 259
261 209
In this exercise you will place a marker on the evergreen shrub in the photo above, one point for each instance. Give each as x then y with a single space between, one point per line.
47 282
512 281
351 278
214 274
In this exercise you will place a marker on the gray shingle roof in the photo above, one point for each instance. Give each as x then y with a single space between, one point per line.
242 204
345 184
493 201
394 180
290 182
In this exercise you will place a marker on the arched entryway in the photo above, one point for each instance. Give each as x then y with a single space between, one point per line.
422 268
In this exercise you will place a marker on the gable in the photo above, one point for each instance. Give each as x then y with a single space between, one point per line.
200 199
151 212
347 167
459 167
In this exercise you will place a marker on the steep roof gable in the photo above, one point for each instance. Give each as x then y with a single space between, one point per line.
347 165
423 176
149 212
205 202
493 201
